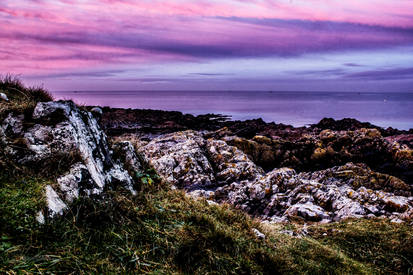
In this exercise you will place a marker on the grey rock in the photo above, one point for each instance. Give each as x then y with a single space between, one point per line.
202 194
40 217
231 164
187 160
281 194
97 111
76 182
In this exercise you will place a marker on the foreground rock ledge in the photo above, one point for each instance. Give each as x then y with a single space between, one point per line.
222 173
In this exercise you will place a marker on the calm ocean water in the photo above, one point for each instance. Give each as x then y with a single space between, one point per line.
295 108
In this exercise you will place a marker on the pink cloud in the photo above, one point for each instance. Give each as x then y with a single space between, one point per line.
40 37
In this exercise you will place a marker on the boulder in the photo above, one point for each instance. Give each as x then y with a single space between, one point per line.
307 211
61 128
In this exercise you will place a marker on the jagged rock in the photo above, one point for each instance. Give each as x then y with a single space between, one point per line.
76 182
360 175
59 128
180 159
333 194
230 163
12 125
320 196
396 203
197 194
328 148
128 156
55 205
188 160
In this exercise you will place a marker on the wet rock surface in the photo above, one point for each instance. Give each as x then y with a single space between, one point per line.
57 129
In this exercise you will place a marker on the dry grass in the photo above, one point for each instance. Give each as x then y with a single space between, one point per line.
22 99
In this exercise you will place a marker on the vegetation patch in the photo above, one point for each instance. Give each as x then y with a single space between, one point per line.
160 231
387 247
22 99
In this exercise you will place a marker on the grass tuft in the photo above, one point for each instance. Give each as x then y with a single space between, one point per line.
22 99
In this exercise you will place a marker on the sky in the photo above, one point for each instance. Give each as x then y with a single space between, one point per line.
277 45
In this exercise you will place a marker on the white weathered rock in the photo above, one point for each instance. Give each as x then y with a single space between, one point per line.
283 194
189 161
62 128
196 194
76 182
231 164
258 234
55 205
308 211
4 97
397 203
40 217
180 159
12 124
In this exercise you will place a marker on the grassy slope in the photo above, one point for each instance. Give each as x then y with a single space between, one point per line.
163 231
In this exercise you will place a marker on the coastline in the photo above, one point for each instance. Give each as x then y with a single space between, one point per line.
113 174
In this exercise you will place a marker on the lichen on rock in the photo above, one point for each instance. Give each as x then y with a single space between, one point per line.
58 128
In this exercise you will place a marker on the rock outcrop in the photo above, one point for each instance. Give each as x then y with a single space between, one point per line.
188 160
213 169
327 149
333 175
349 191
53 130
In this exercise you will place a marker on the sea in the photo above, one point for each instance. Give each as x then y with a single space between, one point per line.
294 108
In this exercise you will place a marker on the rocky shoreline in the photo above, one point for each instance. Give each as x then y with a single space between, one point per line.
136 190
329 171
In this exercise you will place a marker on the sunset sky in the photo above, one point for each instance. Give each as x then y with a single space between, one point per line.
300 45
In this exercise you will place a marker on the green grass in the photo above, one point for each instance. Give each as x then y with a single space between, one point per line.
386 247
